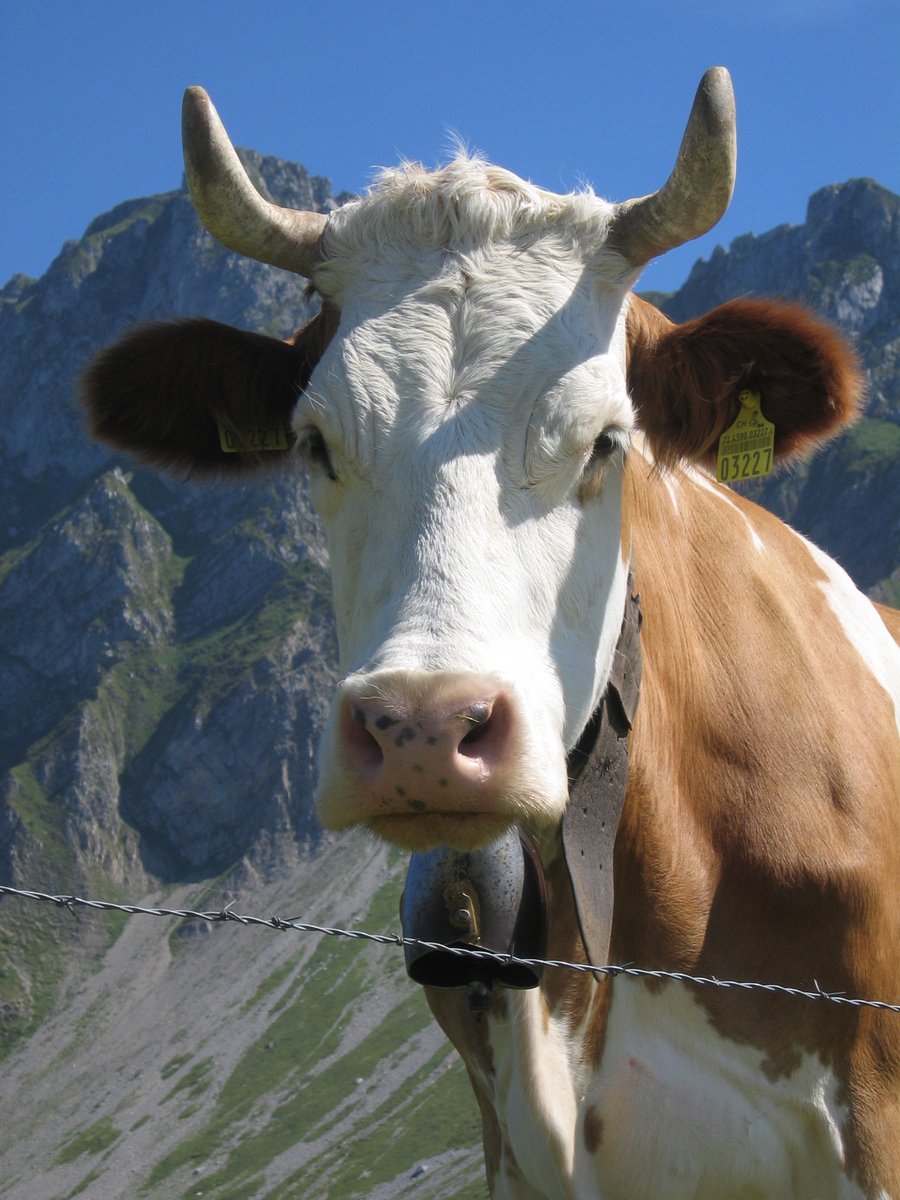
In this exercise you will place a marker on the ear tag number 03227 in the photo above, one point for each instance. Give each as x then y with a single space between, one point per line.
746 448
253 441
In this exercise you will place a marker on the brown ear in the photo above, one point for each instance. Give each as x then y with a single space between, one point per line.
685 379
163 391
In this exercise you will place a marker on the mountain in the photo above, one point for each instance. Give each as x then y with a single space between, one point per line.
166 658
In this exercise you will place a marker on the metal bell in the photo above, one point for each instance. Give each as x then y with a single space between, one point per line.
491 899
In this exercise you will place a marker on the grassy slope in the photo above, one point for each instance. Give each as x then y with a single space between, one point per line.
265 1065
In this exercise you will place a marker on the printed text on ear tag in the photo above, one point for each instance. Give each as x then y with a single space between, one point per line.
746 448
252 441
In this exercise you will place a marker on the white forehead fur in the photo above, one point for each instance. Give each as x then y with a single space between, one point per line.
461 206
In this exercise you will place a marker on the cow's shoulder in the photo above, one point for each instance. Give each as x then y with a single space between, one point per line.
771 684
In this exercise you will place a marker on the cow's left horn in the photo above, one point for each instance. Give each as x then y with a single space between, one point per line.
700 186
229 205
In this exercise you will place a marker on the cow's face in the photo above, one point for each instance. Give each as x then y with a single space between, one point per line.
464 414
465 434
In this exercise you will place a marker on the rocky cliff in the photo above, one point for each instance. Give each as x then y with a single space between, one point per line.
166 658
154 618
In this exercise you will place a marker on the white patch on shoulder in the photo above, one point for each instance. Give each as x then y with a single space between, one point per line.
709 485
684 1112
860 621
674 1109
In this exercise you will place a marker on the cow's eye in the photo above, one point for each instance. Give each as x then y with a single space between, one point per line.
314 449
611 442
605 445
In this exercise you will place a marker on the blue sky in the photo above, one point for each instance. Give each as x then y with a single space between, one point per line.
90 94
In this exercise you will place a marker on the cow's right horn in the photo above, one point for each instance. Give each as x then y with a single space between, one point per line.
697 192
229 205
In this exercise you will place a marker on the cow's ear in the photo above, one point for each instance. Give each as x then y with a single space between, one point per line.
201 398
686 380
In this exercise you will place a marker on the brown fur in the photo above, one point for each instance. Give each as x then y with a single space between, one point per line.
593 1130
469 1033
761 833
160 391
686 379
891 618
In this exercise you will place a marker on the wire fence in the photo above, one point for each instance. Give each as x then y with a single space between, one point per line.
226 914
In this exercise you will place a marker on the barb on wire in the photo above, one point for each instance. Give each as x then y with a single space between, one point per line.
394 939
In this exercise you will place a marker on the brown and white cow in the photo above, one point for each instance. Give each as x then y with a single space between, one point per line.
495 429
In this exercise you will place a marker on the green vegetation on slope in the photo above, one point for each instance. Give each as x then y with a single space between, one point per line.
309 1073
870 445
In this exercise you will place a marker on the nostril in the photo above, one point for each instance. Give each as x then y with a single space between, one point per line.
489 723
476 734
478 717
361 746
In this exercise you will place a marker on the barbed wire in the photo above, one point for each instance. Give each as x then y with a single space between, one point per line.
218 916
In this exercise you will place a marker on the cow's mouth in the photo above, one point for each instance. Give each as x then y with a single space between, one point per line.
461 830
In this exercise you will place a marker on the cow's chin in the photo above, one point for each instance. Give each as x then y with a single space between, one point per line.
460 831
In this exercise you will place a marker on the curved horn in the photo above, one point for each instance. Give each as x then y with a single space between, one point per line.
700 186
229 205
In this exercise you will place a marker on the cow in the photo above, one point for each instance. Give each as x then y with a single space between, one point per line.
510 452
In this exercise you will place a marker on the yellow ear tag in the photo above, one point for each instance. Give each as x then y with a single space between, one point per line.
253 441
746 448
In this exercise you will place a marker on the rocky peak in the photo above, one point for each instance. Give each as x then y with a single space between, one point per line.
843 261
288 184
858 212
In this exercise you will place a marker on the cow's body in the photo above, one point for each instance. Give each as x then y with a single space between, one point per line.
496 431
754 842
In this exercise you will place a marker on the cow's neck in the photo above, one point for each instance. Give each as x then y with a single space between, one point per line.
664 880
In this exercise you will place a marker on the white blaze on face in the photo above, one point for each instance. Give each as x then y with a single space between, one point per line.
477 573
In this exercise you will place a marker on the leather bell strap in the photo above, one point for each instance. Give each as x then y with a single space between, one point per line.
598 774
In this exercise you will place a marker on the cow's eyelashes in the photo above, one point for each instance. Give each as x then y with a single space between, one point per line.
605 446
610 443
314 449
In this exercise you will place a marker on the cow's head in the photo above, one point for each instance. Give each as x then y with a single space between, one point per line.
463 409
